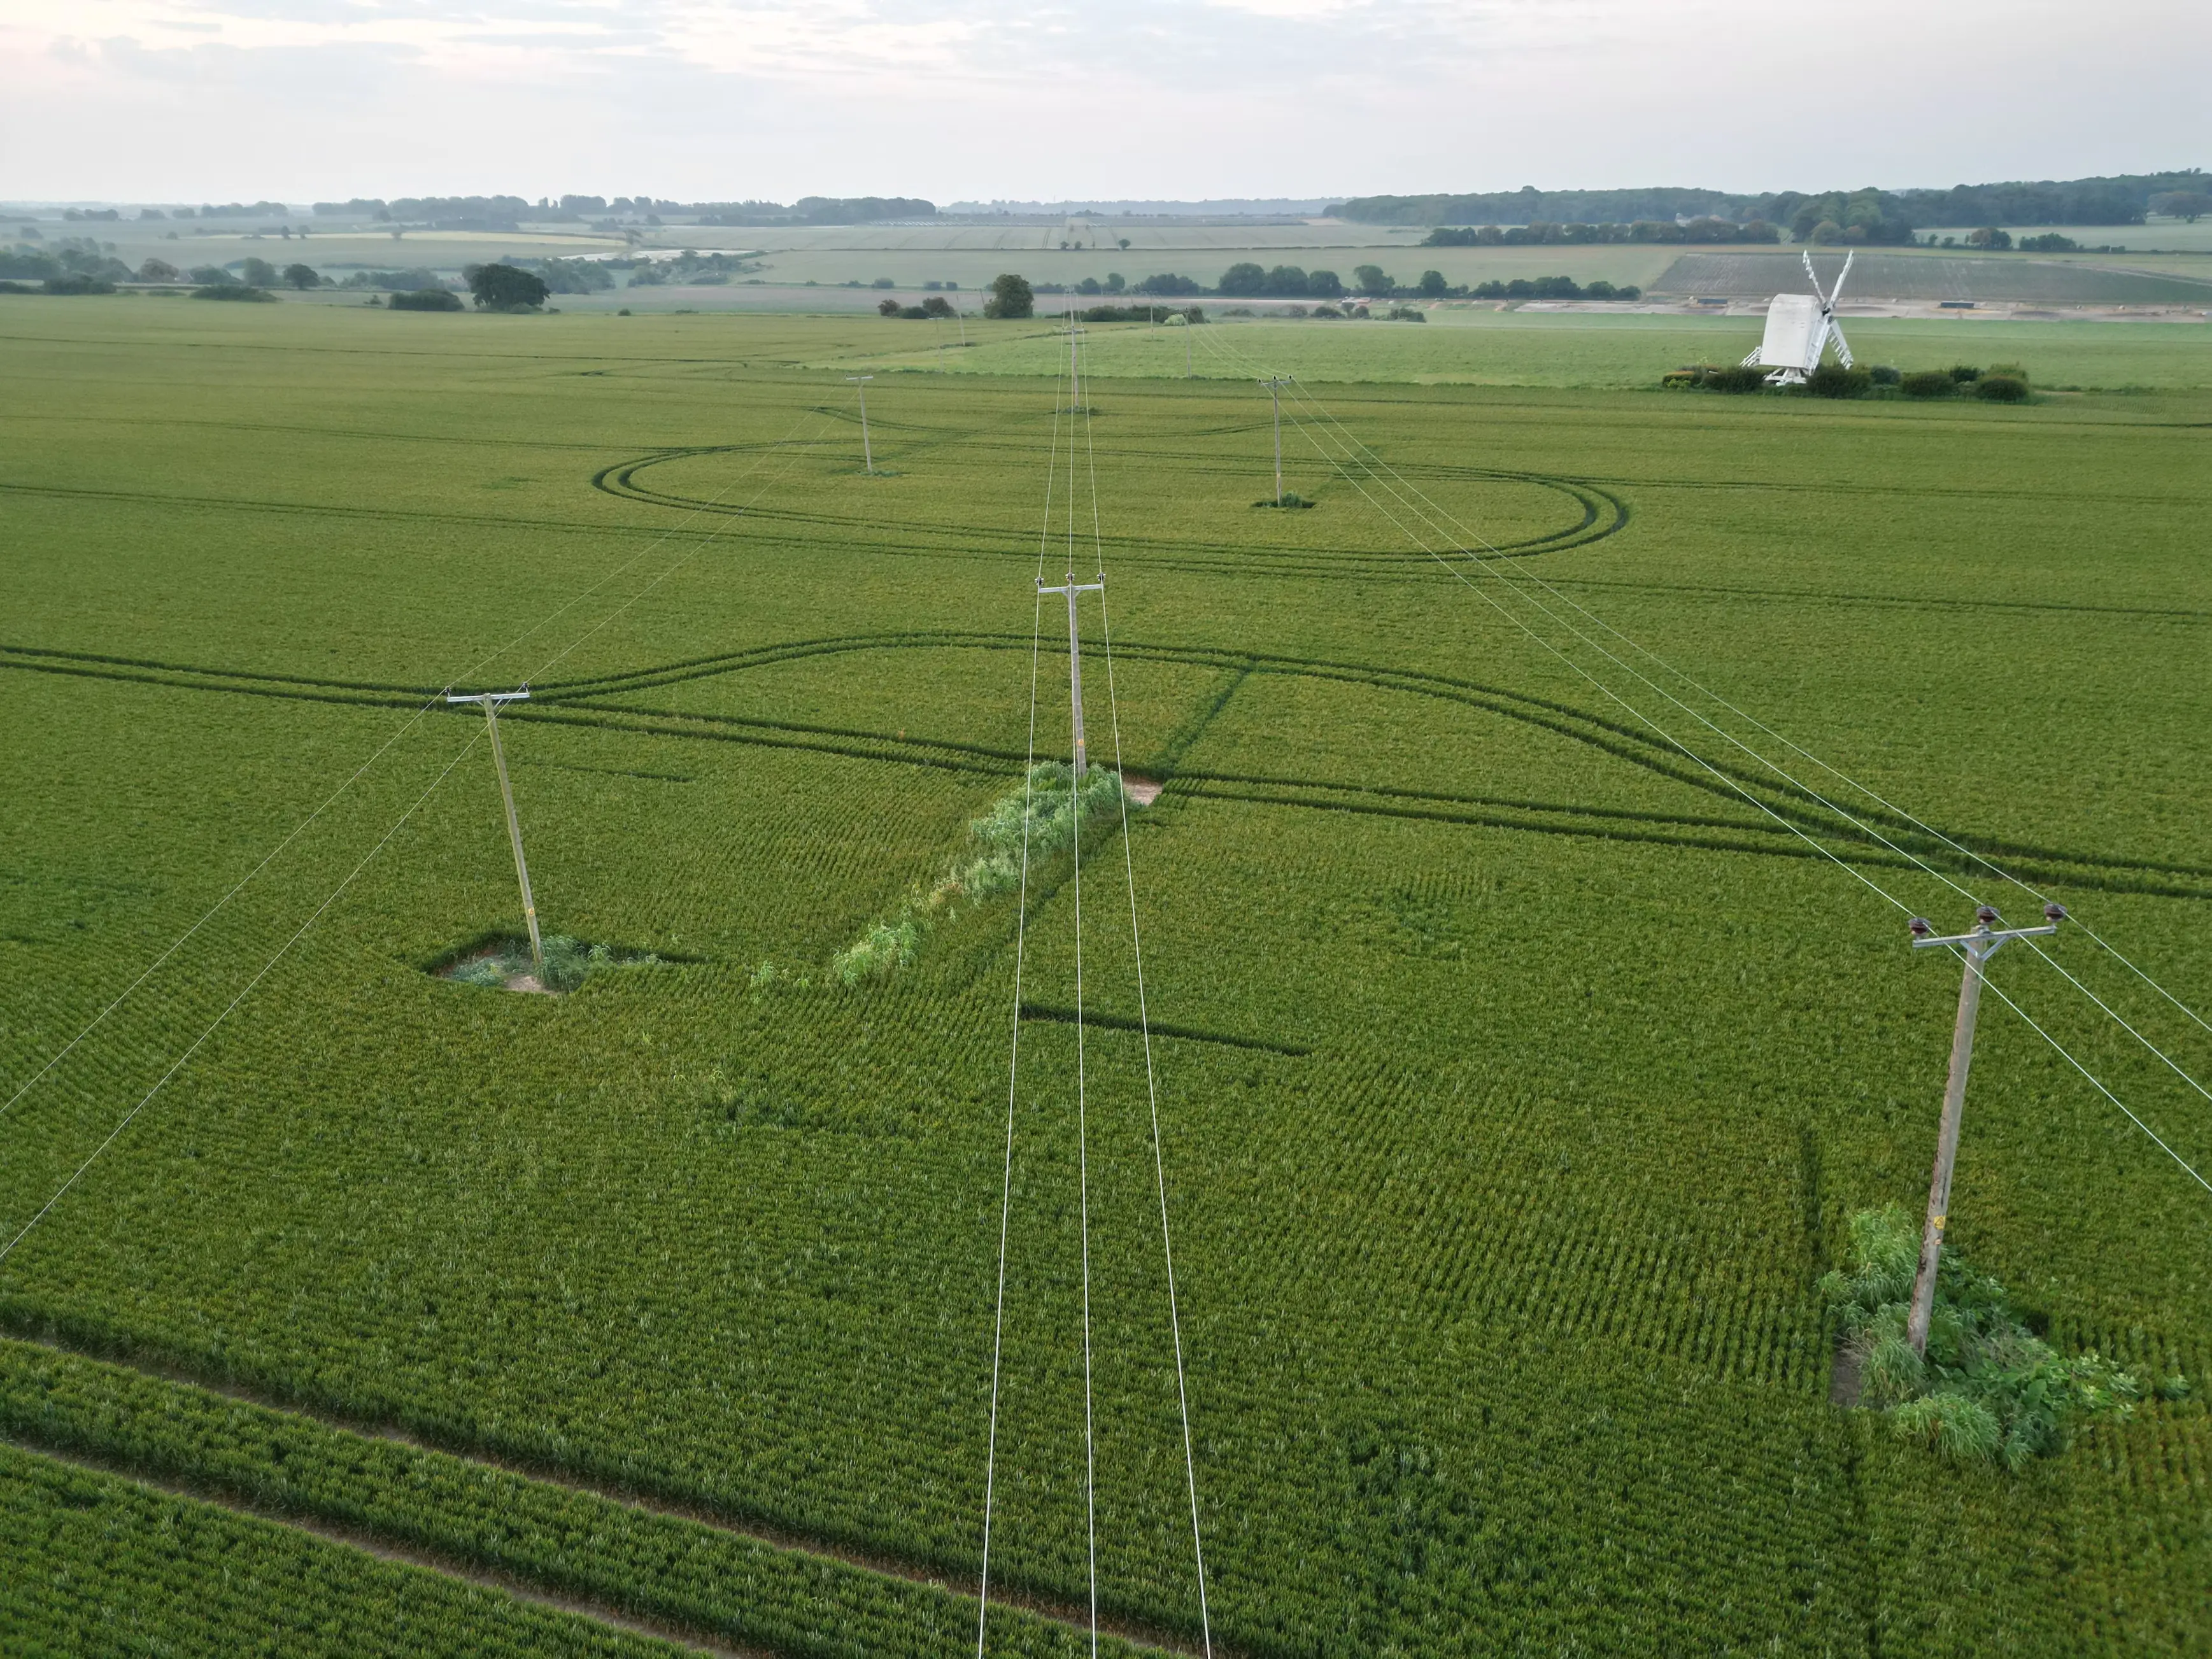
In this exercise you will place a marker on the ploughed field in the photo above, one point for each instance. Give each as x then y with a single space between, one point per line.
1516 1069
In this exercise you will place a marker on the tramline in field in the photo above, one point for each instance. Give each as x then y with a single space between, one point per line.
1072 589
1504 1319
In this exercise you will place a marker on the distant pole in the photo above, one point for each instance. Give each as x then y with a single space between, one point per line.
1976 948
491 701
1275 392
867 454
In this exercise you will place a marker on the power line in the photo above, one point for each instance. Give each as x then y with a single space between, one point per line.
429 703
1014 1049
1144 1026
2098 1083
1853 869
1445 518
178 1064
1082 1104
1151 1086
1442 519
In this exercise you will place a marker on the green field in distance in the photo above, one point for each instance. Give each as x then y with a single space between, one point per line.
1518 1064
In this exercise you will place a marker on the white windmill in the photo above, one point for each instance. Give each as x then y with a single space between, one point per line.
1799 327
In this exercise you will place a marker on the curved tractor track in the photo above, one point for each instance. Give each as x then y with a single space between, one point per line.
1597 511
1733 807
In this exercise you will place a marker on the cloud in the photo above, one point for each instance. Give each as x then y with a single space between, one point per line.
692 98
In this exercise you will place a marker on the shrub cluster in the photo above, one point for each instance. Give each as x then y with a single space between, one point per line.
428 299
1039 820
934 306
1989 1388
2004 384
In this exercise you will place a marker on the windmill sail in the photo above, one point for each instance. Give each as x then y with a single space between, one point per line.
1800 327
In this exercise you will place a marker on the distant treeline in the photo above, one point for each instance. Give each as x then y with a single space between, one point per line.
1544 233
506 212
2121 200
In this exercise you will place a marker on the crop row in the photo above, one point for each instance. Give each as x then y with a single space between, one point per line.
653 1566
100 1564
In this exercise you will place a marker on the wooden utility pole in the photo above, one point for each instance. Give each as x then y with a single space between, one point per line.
491 701
1976 948
1070 586
1275 392
867 454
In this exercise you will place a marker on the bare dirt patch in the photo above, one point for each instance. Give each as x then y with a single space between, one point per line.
1143 791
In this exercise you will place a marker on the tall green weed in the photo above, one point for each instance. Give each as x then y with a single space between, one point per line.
1988 1388
1040 820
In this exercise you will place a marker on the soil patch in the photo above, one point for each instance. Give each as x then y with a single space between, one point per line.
503 963
1843 1376
1141 791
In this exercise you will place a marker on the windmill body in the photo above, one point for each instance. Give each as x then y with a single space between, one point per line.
1800 328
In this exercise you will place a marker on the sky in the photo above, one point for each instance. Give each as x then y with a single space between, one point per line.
300 100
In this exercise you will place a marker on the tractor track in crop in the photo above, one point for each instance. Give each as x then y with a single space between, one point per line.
1766 818
233 1491
387 1549
1600 512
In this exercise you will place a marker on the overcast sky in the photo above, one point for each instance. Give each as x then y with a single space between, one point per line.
305 99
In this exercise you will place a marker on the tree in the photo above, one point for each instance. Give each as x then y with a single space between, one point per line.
2189 204
1243 278
887 307
1090 285
505 288
936 305
158 271
1324 285
1115 282
302 278
1989 236
1010 296
1372 279
1124 242
1432 284
1289 281
257 273
427 299
211 275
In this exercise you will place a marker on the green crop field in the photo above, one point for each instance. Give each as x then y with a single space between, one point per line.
1520 1056
1584 349
1927 276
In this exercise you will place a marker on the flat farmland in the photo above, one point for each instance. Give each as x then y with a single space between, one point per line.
1481 344
1930 275
1517 1063
1194 255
